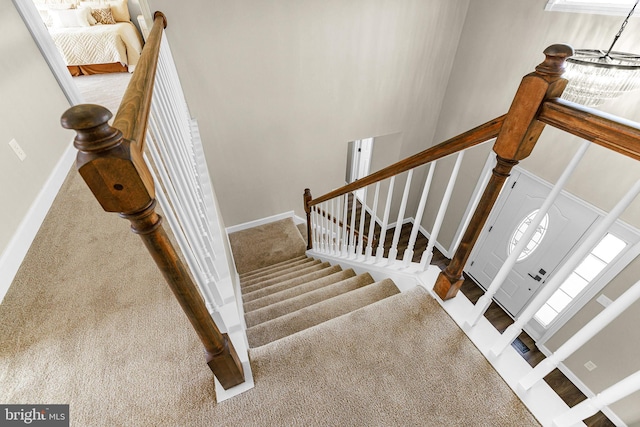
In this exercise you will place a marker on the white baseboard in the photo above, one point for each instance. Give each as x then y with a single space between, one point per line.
16 250
262 221
582 387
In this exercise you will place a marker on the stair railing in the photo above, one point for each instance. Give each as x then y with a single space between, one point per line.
535 105
111 160
516 133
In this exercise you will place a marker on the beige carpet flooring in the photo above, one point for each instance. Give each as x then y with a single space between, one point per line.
90 322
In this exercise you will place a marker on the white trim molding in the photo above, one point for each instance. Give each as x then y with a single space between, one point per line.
41 36
16 250
265 220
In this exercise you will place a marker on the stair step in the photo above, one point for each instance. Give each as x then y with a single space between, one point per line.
255 273
315 272
315 314
300 289
248 290
281 271
301 301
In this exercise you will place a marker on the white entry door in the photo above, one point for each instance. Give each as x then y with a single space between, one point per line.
558 233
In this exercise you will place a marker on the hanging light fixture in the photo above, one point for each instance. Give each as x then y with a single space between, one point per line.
596 76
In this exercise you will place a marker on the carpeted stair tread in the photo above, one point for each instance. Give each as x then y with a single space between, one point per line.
273 268
266 244
248 290
319 281
290 283
301 301
315 314
279 273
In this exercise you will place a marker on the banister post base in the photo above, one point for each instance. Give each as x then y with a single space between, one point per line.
226 365
447 288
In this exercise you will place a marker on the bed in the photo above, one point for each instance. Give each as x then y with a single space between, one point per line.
93 37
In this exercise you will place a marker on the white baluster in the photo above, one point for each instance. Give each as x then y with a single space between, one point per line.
316 237
321 230
483 303
362 220
385 221
408 253
427 255
372 223
352 231
327 236
393 252
335 225
482 183
591 406
206 284
587 332
185 210
345 231
332 241
512 332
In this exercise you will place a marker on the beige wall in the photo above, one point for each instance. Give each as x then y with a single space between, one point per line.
280 87
502 40
32 103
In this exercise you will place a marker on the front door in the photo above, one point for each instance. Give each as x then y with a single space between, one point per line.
558 233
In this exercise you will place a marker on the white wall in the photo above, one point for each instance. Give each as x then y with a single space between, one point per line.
32 103
280 87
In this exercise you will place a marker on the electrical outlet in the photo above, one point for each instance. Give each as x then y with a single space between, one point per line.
17 149
590 365
604 300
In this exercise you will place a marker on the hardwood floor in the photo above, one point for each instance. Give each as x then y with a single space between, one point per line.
527 348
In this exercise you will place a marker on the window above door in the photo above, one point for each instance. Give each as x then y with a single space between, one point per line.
600 7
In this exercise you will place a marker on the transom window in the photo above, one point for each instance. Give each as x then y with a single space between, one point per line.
602 7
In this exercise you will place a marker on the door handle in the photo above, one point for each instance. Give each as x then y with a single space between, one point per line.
536 277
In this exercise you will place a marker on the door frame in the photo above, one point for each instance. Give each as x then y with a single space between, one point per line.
38 30
630 252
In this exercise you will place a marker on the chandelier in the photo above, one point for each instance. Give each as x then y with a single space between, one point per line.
596 76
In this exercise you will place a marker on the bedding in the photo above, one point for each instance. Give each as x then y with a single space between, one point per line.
99 44
92 36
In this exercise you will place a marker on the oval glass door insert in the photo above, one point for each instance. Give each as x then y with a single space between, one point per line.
536 239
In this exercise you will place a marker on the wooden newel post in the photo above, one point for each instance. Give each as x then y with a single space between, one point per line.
116 173
519 134
307 210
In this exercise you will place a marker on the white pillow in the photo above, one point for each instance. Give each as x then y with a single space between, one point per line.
43 10
70 18
89 16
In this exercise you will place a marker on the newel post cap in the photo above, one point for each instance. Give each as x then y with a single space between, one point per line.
91 123
555 56
111 166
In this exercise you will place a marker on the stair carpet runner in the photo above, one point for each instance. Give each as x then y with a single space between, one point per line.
297 294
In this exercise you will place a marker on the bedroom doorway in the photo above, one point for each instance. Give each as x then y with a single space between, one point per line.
104 89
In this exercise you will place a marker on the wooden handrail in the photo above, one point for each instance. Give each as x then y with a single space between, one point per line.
133 114
465 140
604 129
113 167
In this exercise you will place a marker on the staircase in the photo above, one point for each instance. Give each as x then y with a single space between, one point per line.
299 293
